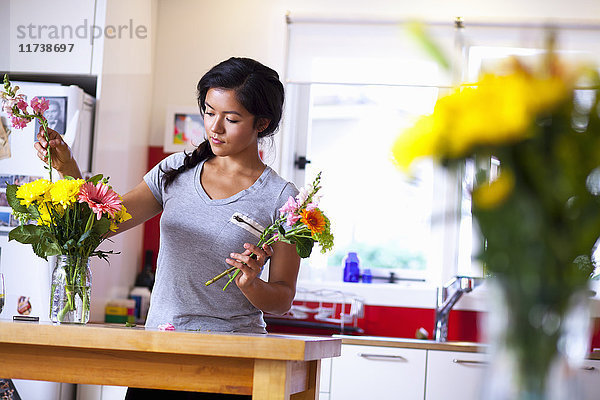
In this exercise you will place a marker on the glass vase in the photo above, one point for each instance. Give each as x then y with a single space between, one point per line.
537 347
71 290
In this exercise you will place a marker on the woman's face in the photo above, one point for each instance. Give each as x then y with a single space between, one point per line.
230 128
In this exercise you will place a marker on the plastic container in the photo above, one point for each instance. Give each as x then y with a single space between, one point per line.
141 295
367 276
351 267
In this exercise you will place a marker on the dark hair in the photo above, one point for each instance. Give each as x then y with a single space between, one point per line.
257 88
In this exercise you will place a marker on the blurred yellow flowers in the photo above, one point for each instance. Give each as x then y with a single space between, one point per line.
491 195
498 109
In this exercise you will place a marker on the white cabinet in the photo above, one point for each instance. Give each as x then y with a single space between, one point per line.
325 382
51 37
100 392
463 372
589 379
375 372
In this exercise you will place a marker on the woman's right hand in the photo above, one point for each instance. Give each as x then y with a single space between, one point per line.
62 157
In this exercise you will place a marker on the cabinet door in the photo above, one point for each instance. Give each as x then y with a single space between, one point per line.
447 369
52 37
382 373
589 377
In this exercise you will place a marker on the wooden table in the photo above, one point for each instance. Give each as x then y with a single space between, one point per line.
265 366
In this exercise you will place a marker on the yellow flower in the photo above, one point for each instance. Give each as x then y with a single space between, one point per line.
547 93
120 216
417 142
496 110
491 195
33 192
65 191
44 216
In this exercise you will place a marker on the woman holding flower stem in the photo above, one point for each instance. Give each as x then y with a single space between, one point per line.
215 203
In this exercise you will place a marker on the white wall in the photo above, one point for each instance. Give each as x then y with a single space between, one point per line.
193 35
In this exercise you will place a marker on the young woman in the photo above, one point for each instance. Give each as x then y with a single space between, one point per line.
214 201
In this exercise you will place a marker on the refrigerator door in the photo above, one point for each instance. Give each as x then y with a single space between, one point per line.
28 277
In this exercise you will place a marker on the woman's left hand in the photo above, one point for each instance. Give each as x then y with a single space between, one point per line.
249 266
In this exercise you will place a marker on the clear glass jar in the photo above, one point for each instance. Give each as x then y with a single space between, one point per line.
71 290
536 349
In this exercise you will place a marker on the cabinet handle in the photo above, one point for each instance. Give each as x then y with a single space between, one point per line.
387 357
469 362
588 368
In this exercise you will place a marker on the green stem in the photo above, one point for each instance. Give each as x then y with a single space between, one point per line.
44 124
69 306
269 241
48 155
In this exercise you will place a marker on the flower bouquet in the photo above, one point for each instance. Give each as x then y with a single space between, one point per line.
68 218
301 222
539 214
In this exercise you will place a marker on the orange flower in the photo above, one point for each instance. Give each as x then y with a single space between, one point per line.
314 220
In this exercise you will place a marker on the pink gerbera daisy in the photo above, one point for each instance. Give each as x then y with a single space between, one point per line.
100 199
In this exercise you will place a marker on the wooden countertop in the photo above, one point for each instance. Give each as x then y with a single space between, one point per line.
269 367
119 337
470 347
412 343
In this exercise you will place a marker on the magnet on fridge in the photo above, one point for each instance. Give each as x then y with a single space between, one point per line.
24 306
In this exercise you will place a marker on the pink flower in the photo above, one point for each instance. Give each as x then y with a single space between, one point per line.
290 206
292 219
100 199
166 327
7 106
18 123
22 104
311 206
39 105
302 195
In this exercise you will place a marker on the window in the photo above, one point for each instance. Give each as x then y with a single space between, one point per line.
351 89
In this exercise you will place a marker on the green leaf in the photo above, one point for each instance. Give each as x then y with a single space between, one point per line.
304 246
83 237
27 234
33 211
46 248
101 227
95 179
280 229
13 201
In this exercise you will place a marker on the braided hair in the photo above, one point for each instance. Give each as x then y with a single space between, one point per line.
257 88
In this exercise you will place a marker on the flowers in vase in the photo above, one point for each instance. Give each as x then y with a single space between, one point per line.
539 212
69 217
301 223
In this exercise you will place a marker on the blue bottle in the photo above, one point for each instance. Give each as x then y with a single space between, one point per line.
367 276
351 267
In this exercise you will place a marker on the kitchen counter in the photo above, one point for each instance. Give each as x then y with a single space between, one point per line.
468 347
265 366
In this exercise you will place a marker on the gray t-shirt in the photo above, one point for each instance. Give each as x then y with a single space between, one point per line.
196 235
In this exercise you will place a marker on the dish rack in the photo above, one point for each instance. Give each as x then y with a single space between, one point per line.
326 308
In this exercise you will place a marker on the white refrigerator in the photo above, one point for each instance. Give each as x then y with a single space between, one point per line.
27 277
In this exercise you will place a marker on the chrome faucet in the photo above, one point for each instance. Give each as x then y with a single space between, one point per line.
447 297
